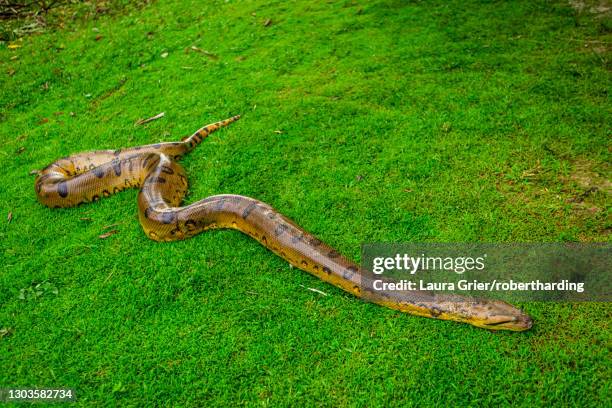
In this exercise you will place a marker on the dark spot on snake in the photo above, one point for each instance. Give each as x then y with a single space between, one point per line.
98 171
62 189
314 242
167 170
304 262
280 229
158 180
117 152
248 210
106 193
168 217
435 312
264 239
147 211
116 190
333 254
297 238
43 177
190 225
220 204
117 167
156 146
95 198
326 270
349 272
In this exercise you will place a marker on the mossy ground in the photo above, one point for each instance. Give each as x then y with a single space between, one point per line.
398 121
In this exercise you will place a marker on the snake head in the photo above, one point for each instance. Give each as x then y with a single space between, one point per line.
498 315
485 313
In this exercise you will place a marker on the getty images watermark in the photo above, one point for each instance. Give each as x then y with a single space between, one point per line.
513 272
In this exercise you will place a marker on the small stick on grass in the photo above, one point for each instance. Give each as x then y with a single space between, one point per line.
151 119
207 53
315 290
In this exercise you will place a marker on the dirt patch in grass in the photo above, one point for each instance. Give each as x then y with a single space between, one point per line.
599 8
22 18
590 177
577 199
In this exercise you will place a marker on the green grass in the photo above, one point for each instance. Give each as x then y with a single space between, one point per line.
401 121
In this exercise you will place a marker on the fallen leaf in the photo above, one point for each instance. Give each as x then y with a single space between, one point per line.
108 234
11 72
98 37
268 23
13 46
164 54
20 150
280 132
72 114
359 177
85 219
9 217
58 113
43 121
14 57
152 118
407 190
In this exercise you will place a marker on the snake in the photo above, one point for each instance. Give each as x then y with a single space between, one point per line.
154 169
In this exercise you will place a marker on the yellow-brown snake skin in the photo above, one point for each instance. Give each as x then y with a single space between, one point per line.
87 177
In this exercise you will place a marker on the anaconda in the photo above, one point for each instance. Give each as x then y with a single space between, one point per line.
154 169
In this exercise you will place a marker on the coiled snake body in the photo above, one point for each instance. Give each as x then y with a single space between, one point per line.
87 177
